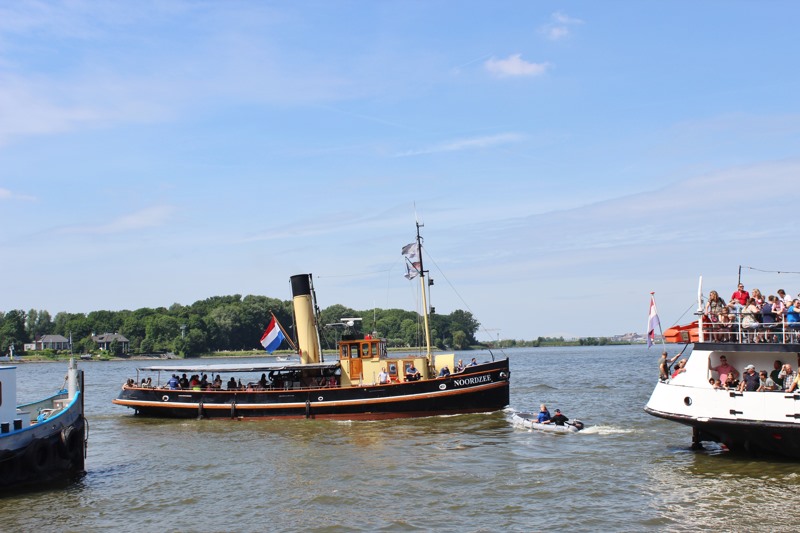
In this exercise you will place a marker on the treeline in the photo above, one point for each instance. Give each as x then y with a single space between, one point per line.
555 341
224 323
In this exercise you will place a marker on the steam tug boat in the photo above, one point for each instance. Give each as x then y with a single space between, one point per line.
755 422
349 388
42 442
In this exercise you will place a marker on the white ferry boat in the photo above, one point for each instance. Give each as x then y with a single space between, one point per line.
753 421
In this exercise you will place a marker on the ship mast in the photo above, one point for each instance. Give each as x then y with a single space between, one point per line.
424 298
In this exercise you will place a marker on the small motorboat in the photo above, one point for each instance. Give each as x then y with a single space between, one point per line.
529 421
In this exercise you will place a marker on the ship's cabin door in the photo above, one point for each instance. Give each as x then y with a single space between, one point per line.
350 352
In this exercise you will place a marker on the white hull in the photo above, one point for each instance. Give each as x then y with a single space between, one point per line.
528 421
753 421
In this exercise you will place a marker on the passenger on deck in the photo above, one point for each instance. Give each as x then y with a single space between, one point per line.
716 383
787 300
184 382
232 384
149 383
751 317
204 382
767 320
383 377
714 308
776 374
724 369
731 383
217 383
173 382
664 364
444 372
765 383
740 295
412 374
263 381
680 369
795 381
194 381
544 414
473 362
750 381
459 366
788 376
758 297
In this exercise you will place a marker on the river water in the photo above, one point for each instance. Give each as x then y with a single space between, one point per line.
626 472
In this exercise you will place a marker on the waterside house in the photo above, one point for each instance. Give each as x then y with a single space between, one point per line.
105 340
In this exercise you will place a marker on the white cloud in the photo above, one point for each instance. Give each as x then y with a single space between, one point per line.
559 28
150 217
514 65
562 18
6 194
475 143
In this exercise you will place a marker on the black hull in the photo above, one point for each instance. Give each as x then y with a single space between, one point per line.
480 389
46 460
753 437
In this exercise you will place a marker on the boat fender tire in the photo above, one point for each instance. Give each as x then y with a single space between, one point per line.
10 467
37 455
165 398
75 442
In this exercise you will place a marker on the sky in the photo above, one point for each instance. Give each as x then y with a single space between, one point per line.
567 158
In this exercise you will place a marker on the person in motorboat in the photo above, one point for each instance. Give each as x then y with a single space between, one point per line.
459 367
444 372
173 382
383 377
544 415
723 368
474 362
558 419
750 380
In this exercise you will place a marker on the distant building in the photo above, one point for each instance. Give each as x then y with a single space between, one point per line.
50 342
105 340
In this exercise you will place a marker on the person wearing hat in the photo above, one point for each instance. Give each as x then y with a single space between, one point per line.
750 380
558 419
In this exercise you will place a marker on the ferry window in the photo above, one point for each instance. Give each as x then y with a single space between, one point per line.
374 349
345 351
383 350
392 369
364 349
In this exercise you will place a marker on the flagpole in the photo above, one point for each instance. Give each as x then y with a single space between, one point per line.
660 331
286 336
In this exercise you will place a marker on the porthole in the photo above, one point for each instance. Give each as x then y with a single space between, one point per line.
687 401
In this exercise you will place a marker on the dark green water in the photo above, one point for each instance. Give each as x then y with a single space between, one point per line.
626 472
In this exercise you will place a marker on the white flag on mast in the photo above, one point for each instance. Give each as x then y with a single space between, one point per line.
413 262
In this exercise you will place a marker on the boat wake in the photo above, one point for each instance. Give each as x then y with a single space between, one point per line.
607 430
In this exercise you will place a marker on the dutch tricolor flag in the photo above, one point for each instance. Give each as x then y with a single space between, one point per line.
273 336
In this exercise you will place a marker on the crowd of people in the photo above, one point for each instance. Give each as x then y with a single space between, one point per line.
782 378
757 318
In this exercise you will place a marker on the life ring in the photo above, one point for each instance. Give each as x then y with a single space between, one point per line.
165 398
37 455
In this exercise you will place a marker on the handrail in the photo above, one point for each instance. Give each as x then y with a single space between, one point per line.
778 332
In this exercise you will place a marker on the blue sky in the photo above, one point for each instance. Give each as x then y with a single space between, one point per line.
566 158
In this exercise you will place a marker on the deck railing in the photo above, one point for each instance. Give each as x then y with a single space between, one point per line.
780 332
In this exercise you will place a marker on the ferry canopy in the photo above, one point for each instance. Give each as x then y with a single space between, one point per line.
234 367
